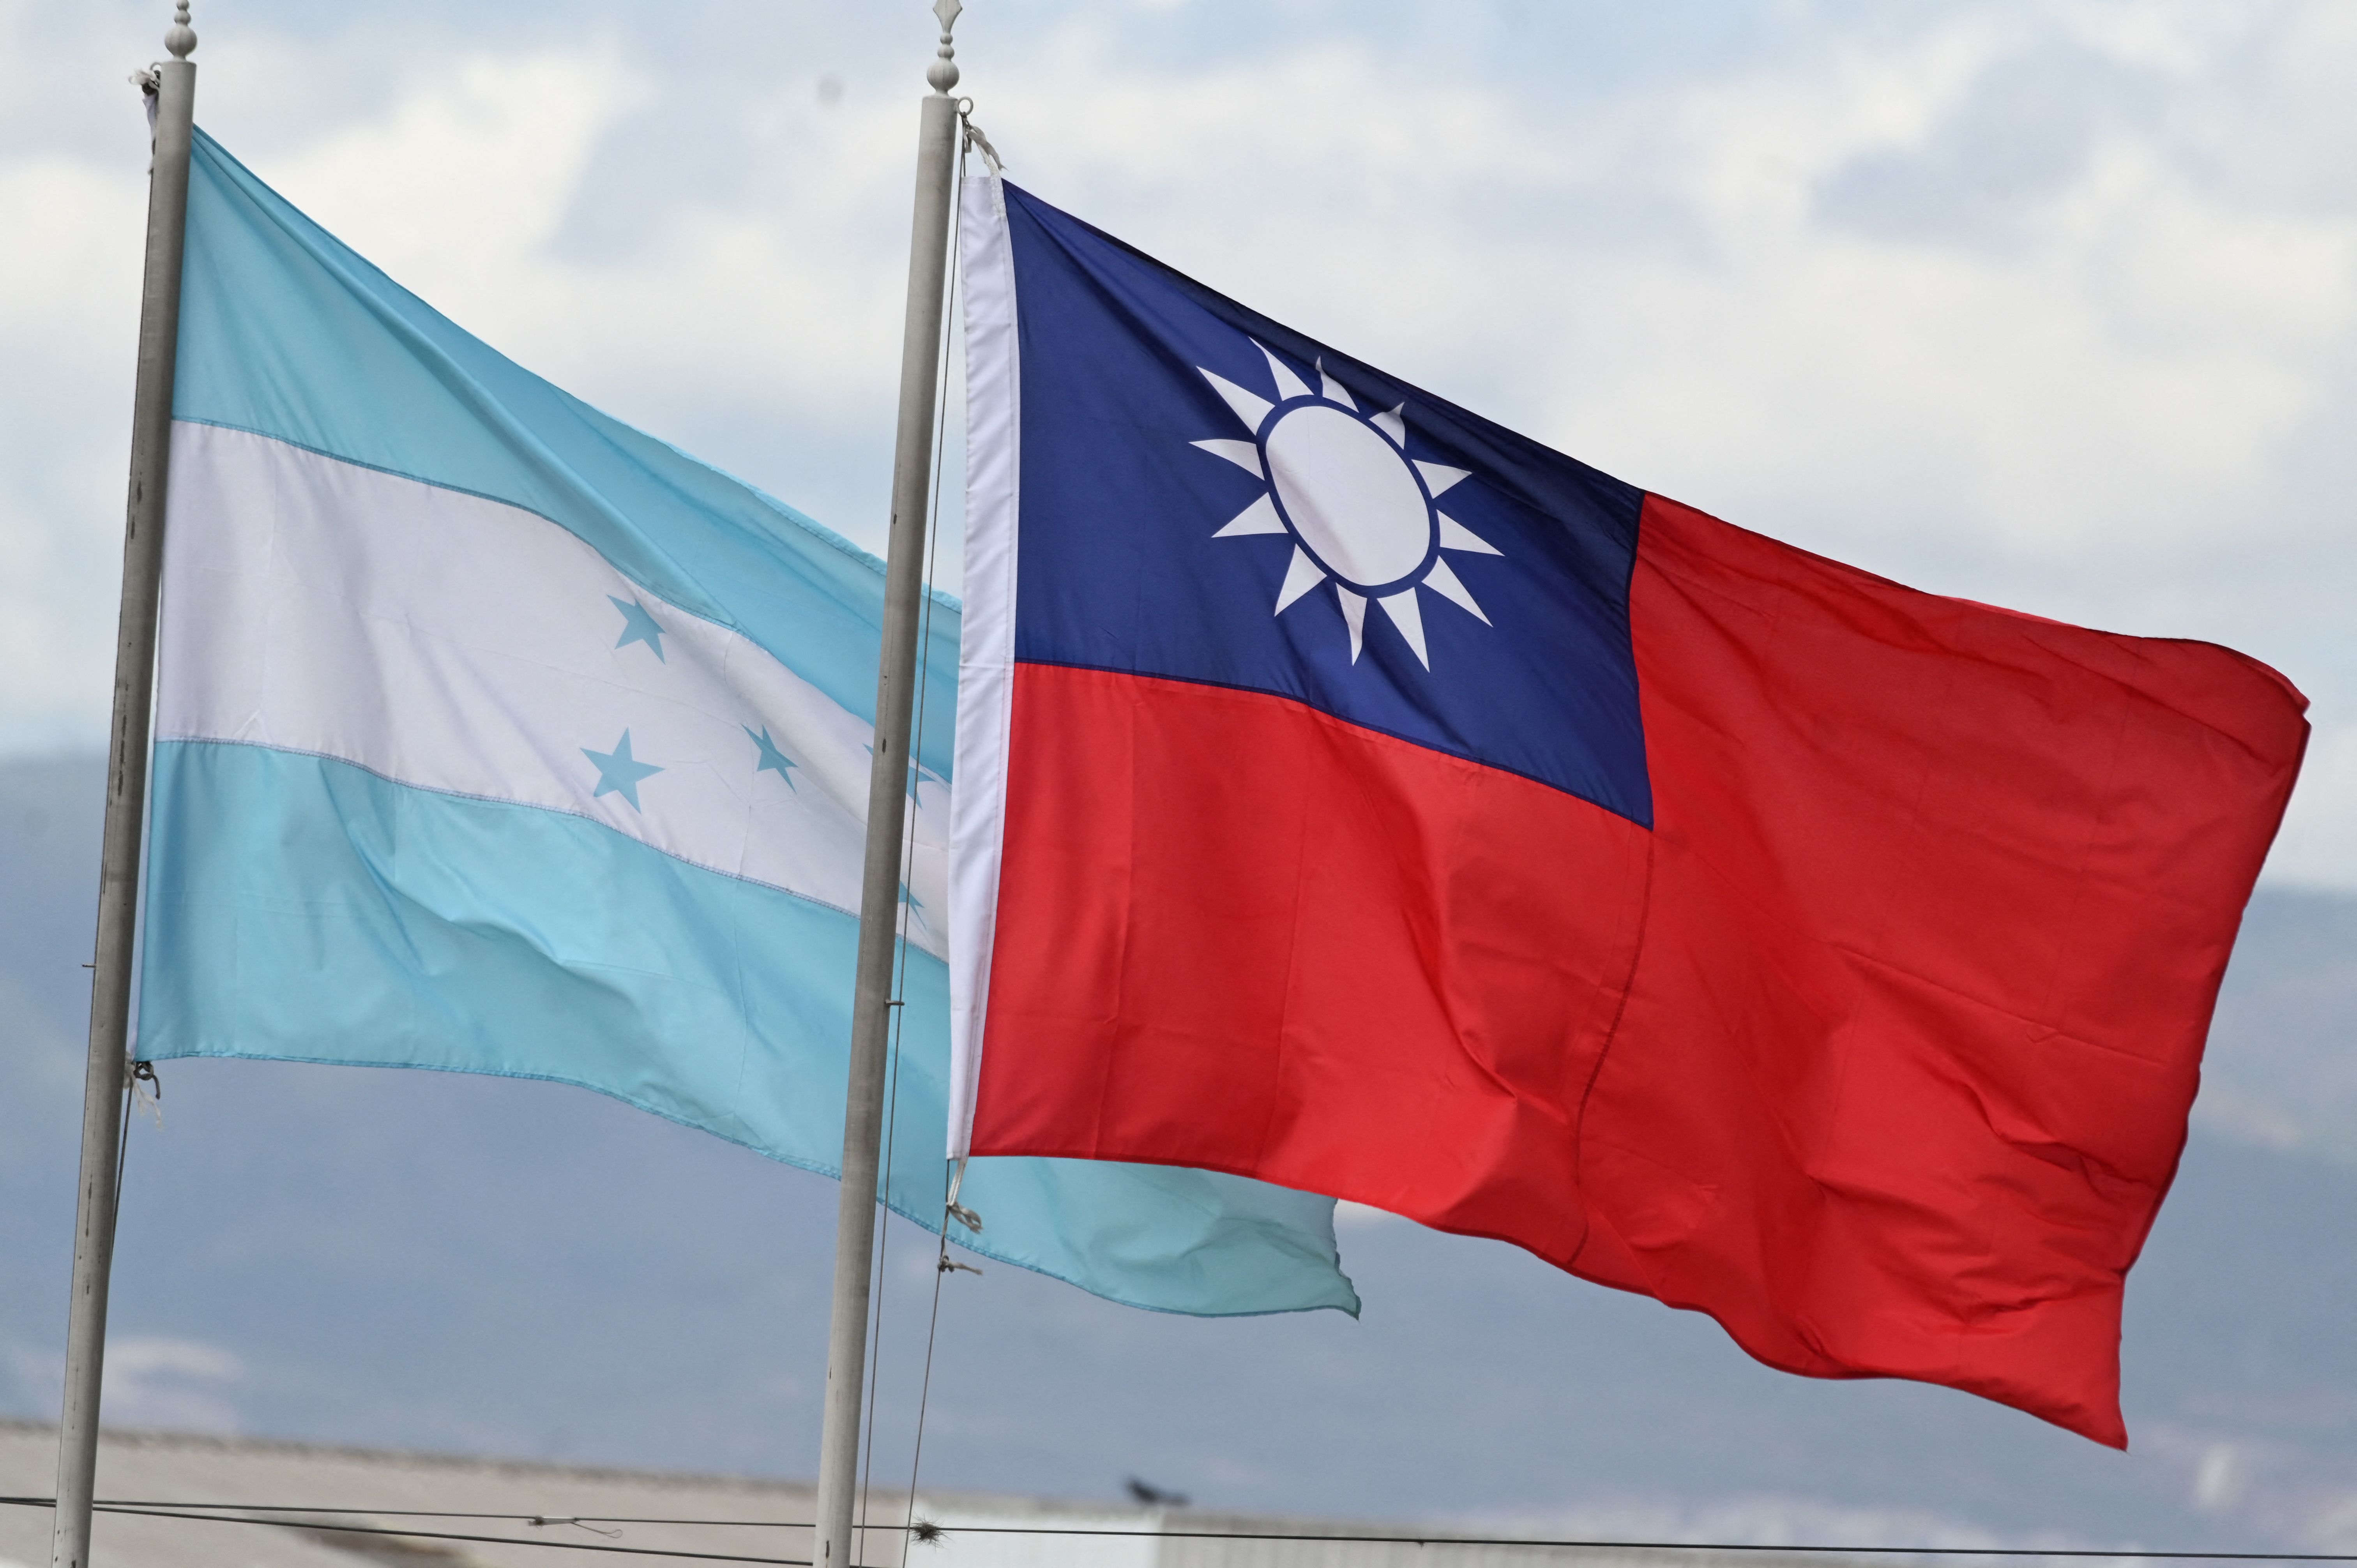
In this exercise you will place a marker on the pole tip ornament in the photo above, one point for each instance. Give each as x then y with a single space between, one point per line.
944 72
182 39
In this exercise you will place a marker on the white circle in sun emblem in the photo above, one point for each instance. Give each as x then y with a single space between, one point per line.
1349 494
1359 510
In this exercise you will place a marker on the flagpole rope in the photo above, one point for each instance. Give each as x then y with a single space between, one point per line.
925 1384
901 970
135 1073
940 457
123 1141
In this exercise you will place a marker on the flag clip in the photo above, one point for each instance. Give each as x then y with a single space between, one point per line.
976 141
147 1089
956 1210
950 1265
149 85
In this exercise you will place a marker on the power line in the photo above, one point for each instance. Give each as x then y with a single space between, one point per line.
178 1510
380 1513
2111 1553
134 1512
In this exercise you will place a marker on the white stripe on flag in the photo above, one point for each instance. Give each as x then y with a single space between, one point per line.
986 647
460 644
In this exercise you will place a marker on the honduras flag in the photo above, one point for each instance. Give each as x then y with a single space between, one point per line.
495 736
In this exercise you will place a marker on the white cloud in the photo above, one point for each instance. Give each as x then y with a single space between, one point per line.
490 150
2318 842
2123 378
183 1384
2289 1492
2177 38
72 257
1804 285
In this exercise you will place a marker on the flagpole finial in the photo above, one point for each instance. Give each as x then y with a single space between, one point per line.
944 72
182 39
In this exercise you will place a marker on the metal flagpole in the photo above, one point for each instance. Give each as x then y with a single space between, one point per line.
175 86
888 793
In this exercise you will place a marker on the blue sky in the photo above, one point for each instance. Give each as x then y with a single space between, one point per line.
2047 304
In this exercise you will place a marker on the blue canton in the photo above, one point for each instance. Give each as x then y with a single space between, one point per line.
1136 475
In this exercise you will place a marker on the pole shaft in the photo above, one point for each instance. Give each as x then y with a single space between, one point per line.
888 795
127 800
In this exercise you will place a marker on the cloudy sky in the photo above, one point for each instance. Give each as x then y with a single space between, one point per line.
2052 303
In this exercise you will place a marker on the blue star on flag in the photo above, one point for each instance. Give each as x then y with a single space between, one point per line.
638 625
618 771
772 759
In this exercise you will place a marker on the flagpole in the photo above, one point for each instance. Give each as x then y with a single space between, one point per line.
887 794
175 86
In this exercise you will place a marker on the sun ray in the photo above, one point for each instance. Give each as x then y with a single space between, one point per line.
1402 608
1242 453
1333 391
1301 576
1354 612
1250 407
1391 423
1258 518
1450 586
1288 385
1455 535
1438 477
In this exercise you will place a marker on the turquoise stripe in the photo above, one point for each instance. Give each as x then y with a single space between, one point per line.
300 908
286 332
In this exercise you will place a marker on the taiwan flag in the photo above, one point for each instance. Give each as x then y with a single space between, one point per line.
1360 797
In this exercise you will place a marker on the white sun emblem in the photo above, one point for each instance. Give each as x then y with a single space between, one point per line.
1359 510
